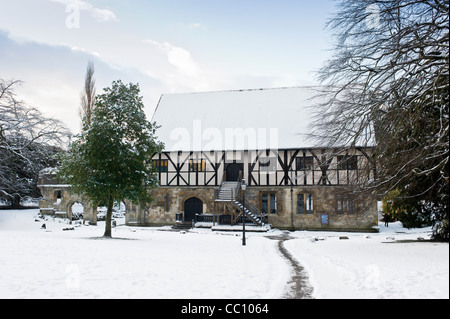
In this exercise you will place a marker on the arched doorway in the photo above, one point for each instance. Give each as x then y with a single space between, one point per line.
119 209
76 210
119 213
192 206
234 171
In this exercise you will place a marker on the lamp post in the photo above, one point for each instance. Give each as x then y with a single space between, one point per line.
244 187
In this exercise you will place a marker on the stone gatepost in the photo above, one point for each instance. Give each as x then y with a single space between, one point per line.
90 213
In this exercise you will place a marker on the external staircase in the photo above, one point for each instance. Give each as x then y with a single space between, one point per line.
227 191
230 192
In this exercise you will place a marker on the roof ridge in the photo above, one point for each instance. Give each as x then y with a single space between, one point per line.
247 90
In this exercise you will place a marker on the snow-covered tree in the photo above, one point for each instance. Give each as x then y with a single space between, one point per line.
390 75
28 141
111 159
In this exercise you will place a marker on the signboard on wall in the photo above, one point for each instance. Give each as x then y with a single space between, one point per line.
324 219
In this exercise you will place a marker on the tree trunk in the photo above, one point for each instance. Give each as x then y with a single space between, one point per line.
15 201
109 218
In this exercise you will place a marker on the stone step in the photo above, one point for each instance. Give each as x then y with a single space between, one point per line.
182 226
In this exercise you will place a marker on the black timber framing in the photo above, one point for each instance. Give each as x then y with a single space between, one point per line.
179 175
178 179
324 164
286 166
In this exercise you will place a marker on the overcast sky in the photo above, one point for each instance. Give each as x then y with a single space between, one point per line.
167 46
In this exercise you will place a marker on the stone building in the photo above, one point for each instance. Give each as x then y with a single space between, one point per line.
59 201
217 141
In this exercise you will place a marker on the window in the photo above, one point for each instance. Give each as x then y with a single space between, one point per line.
340 206
345 206
269 203
301 203
161 165
273 203
347 162
197 165
264 203
268 164
305 204
304 163
309 203
58 196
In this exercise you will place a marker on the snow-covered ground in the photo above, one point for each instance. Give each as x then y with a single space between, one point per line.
389 265
159 263
139 263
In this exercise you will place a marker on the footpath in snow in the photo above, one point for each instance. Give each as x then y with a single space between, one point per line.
158 263
395 263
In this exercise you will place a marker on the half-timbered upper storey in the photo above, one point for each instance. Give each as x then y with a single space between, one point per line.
259 135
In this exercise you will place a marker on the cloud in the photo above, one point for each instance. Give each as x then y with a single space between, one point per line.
53 77
75 48
182 59
101 15
195 25
177 56
182 70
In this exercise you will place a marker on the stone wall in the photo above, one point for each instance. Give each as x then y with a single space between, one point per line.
363 218
168 201
58 199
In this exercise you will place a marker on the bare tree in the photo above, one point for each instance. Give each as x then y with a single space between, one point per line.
28 140
88 95
387 86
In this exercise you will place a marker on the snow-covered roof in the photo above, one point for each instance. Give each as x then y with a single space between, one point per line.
236 120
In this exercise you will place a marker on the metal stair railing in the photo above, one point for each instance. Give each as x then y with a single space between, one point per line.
229 192
251 211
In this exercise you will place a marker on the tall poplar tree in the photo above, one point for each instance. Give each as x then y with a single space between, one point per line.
88 95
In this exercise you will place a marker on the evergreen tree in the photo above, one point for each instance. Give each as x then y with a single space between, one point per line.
111 159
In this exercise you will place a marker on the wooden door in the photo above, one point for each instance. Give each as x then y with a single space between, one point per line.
234 171
191 207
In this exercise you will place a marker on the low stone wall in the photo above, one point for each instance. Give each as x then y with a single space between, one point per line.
58 200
